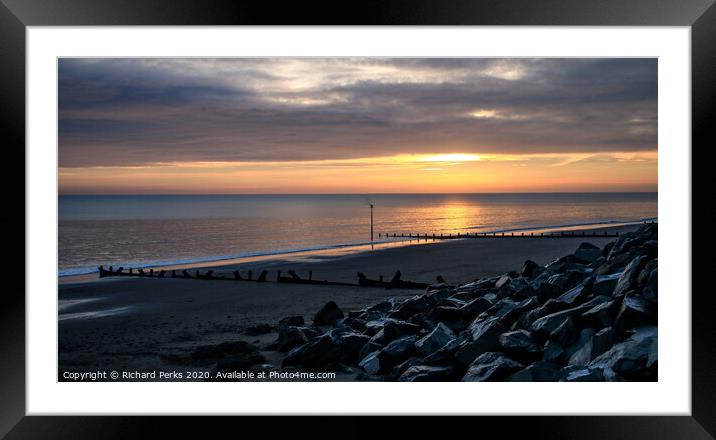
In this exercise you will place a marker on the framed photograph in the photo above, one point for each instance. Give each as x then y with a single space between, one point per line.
447 210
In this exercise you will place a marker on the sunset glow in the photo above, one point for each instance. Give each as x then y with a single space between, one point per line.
262 126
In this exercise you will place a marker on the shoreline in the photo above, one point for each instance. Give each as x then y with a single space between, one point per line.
340 250
145 324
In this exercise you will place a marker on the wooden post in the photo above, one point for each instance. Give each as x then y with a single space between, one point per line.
310 274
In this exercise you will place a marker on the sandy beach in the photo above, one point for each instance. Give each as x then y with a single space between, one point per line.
143 323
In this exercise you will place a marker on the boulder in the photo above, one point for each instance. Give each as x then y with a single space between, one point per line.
485 337
290 337
634 312
426 373
356 324
520 345
628 277
446 354
389 356
601 315
587 253
293 321
434 340
605 284
548 323
395 329
491 367
634 359
411 306
503 281
371 363
329 314
582 375
473 308
321 352
368 348
537 372
351 345
530 269
574 296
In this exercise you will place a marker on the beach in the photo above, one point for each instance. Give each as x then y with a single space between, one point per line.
149 324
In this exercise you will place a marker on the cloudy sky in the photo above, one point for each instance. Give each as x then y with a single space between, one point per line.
308 125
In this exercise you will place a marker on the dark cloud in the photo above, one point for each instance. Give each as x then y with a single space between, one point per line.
140 111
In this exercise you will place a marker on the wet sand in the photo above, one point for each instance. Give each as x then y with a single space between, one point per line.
134 323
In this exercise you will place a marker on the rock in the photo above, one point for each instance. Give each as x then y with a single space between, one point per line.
601 315
530 269
368 348
382 307
354 323
580 354
485 337
224 349
550 322
602 341
293 321
395 329
634 312
410 307
426 373
446 314
651 290
374 326
329 314
503 281
446 354
351 345
290 337
473 308
371 363
518 311
399 369
520 345
605 284
633 359
574 296
321 352
490 367
537 372
583 375
397 351
627 278
565 333
587 253
434 340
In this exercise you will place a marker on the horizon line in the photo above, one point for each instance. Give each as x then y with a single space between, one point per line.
356 194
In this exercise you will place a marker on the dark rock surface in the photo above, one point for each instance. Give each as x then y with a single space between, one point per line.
589 316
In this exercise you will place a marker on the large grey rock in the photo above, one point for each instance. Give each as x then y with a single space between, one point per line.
434 340
550 322
520 345
411 306
634 359
605 284
368 348
587 253
329 314
530 269
537 372
426 373
485 337
574 296
583 375
389 356
628 277
351 345
601 315
634 312
490 367
395 329
290 337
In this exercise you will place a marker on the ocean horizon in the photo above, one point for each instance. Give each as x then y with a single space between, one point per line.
166 230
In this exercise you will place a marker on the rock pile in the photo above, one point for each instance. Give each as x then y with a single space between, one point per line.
588 316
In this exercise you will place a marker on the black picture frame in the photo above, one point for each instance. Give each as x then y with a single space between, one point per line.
16 15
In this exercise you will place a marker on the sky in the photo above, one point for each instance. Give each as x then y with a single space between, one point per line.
356 125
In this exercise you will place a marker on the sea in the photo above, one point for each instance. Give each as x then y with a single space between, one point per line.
171 230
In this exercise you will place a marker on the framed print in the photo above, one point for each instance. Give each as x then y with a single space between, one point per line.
228 213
